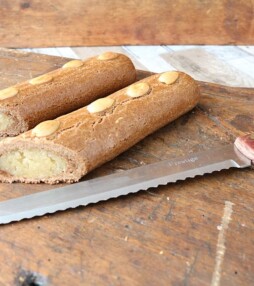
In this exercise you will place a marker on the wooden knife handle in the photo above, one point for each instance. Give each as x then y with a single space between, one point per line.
245 144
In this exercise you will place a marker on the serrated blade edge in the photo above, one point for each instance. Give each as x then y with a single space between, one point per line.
122 183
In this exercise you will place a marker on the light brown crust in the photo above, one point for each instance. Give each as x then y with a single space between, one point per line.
88 140
70 88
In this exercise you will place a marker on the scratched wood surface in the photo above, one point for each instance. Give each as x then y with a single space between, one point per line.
36 23
196 232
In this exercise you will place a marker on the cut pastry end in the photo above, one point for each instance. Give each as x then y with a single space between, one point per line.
32 163
10 125
5 121
35 165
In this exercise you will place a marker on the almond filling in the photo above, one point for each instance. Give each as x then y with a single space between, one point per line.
5 121
32 164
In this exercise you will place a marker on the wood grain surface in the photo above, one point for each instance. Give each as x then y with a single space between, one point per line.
35 23
196 232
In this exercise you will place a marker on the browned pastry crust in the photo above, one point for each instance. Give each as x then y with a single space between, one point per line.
95 134
63 90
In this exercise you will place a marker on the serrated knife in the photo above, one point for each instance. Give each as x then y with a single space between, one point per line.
238 155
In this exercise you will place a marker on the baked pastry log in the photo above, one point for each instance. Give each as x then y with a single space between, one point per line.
73 86
67 148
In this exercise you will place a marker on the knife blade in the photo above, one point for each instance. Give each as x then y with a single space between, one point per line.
130 181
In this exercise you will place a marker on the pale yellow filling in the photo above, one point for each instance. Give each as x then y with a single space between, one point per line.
32 164
5 121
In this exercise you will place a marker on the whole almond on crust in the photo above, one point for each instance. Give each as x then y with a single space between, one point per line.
100 105
45 128
41 79
107 56
8 92
169 77
138 89
73 64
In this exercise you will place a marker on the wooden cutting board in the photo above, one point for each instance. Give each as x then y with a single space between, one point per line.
35 23
196 232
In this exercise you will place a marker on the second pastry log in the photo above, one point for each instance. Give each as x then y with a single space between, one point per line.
61 91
